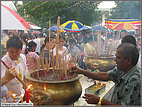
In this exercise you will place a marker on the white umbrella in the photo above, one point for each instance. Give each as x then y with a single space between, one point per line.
10 20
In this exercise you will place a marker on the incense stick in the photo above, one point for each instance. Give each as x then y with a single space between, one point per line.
92 33
57 46
99 42
49 40
53 63
38 66
105 41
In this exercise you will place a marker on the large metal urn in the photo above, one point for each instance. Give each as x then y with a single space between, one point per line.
103 64
51 89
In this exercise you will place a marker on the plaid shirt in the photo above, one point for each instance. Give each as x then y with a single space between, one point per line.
127 87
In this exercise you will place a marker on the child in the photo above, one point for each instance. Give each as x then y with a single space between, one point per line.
17 63
31 55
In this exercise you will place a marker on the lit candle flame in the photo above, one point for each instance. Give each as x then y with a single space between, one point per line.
9 92
29 86
22 95
14 95
102 84
44 86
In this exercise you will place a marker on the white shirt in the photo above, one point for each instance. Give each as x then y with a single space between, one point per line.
67 56
14 85
37 41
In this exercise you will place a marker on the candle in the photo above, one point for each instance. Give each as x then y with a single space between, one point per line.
27 95
14 98
4 101
22 98
44 86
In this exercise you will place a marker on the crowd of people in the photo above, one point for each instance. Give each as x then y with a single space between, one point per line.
23 50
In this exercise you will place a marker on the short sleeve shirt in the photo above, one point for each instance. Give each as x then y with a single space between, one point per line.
14 85
127 87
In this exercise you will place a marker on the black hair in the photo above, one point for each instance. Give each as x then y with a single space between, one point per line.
62 36
72 40
29 46
24 37
124 31
36 35
129 39
47 40
14 42
130 50
31 37
40 34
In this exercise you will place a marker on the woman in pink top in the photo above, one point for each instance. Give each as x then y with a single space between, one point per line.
31 56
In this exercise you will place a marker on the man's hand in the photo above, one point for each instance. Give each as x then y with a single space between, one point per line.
91 99
11 73
76 69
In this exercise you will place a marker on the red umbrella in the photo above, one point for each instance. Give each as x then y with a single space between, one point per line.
124 26
11 20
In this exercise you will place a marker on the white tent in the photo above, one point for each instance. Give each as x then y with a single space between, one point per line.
9 4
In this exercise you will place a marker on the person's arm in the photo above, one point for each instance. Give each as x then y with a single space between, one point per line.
103 76
9 75
94 99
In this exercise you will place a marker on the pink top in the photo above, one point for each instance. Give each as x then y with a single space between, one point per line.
32 60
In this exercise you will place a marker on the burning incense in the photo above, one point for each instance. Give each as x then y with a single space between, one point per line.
57 46
76 58
99 42
92 32
66 67
46 63
105 41
49 39
53 63
24 84
38 66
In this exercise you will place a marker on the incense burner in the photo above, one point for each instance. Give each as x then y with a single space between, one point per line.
51 89
103 64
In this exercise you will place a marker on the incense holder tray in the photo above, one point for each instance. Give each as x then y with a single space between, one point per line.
95 90
52 88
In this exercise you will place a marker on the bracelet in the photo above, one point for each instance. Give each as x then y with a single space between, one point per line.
100 101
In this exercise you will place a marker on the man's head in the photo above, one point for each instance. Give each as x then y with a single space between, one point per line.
123 33
126 56
14 47
129 39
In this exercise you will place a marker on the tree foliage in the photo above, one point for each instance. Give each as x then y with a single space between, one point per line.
126 10
40 12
